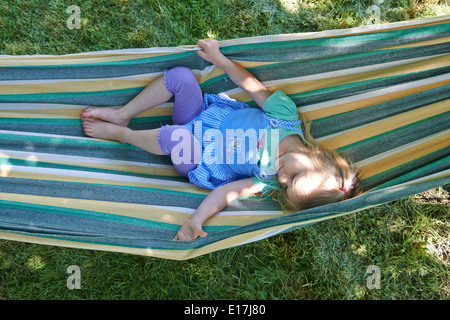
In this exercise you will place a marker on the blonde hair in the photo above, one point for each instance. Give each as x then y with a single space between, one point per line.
333 179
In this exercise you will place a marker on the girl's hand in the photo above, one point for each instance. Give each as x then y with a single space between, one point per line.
216 200
237 73
210 51
190 230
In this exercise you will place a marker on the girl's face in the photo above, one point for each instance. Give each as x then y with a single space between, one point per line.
291 167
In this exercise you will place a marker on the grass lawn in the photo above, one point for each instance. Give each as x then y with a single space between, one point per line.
408 240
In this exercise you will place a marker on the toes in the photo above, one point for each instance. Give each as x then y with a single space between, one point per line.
86 122
87 125
88 112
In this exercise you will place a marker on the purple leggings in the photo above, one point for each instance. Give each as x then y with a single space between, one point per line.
174 139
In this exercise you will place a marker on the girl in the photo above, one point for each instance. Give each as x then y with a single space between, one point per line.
284 158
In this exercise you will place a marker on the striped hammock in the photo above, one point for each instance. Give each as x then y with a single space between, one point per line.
378 94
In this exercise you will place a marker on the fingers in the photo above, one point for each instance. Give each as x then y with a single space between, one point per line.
201 53
208 45
182 237
202 43
209 51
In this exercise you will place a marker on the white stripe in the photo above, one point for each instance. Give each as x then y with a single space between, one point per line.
98 176
20 133
265 235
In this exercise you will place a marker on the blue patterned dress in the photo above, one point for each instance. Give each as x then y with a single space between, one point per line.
230 157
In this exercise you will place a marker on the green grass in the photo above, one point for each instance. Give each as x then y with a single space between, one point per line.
408 239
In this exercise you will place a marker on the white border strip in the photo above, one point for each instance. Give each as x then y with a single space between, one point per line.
98 176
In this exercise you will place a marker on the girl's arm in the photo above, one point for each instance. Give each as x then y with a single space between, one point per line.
238 74
218 199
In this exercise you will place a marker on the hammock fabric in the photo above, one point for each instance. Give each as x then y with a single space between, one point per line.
379 95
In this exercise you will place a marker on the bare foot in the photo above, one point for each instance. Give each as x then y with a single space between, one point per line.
109 114
103 130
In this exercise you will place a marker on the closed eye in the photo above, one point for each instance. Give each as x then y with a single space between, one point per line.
294 177
292 180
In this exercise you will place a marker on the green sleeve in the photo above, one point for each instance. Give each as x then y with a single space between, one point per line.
280 106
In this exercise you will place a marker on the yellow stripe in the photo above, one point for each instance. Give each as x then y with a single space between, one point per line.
75 86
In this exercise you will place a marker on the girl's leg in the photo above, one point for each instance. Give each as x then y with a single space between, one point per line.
174 140
179 82
152 96
178 142
144 139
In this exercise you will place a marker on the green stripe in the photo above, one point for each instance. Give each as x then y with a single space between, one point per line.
151 119
52 121
58 95
76 122
359 55
59 140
